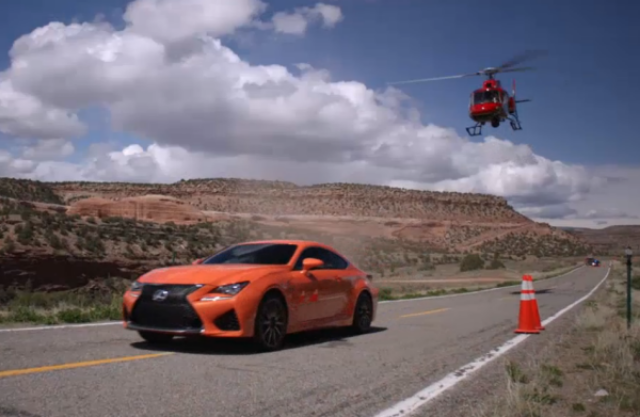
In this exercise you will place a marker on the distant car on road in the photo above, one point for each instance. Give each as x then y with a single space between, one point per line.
591 261
263 290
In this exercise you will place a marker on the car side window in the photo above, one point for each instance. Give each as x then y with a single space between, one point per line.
330 259
337 261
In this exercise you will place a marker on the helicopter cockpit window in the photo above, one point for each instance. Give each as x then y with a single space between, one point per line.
482 97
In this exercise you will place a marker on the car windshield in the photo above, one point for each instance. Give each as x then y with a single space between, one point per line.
254 253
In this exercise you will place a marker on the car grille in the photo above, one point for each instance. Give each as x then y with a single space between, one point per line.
228 321
173 313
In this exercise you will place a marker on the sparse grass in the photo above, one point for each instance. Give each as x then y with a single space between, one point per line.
98 302
507 284
391 291
386 294
597 353
554 272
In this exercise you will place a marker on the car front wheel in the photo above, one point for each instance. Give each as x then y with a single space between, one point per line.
271 323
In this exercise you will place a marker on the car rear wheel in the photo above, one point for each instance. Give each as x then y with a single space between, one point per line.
363 314
271 323
153 337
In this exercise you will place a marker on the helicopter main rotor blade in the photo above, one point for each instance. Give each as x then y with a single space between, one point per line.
517 69
525 56
434 79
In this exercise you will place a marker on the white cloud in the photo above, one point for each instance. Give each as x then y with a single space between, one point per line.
24 116
49 149
170 21
296 22
331 15
210 113
551 212
291 23
609 213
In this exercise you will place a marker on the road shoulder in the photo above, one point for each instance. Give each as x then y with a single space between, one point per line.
559 372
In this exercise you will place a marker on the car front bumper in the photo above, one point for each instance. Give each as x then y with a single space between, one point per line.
185 315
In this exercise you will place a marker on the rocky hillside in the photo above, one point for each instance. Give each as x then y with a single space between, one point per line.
610 240
26 190
284 198
50 231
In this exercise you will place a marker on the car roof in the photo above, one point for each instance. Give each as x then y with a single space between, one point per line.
299 242
303 243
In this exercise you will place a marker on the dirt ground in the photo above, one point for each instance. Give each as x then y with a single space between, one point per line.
448 276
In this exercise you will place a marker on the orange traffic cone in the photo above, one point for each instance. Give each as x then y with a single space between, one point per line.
536 310
526 320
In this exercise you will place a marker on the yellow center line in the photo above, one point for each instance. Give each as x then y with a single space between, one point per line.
424 313
16 372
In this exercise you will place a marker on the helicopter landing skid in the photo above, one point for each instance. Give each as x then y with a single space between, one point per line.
515 123
475 130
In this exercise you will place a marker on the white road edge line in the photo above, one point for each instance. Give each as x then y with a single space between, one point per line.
111 323
60 326
411 404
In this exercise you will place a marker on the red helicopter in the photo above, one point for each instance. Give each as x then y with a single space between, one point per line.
491 103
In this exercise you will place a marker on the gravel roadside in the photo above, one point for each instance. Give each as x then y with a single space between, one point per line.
477 395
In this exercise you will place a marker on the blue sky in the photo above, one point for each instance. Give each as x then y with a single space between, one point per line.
583 96
583 90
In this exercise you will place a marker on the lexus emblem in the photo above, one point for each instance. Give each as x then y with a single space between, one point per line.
160 295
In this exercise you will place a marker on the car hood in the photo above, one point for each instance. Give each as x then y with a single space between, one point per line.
208 274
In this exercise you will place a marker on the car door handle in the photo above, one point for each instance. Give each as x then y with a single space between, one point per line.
339 279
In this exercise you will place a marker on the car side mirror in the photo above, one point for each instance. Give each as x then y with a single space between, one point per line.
311 263
197 261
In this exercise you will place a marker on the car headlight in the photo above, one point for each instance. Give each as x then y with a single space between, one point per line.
224 291
136 286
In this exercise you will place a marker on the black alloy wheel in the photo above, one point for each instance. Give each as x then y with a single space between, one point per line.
271 323
363 314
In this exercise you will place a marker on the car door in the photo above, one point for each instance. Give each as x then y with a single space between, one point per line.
342 284
322 302
302 289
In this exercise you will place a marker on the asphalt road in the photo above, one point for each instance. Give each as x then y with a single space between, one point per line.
49 373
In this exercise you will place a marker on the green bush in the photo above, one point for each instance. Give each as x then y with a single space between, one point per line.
495 264
471 262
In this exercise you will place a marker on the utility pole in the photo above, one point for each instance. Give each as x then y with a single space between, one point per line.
628 254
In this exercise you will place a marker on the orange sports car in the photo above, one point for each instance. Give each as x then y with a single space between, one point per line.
262 290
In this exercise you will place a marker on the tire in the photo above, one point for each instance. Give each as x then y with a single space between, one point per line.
271 323
362 314
153 337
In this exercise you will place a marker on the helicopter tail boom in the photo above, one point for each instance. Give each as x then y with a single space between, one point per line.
514 99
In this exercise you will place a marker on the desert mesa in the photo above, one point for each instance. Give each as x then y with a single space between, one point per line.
442 221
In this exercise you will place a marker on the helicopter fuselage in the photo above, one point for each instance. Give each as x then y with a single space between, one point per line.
491 104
